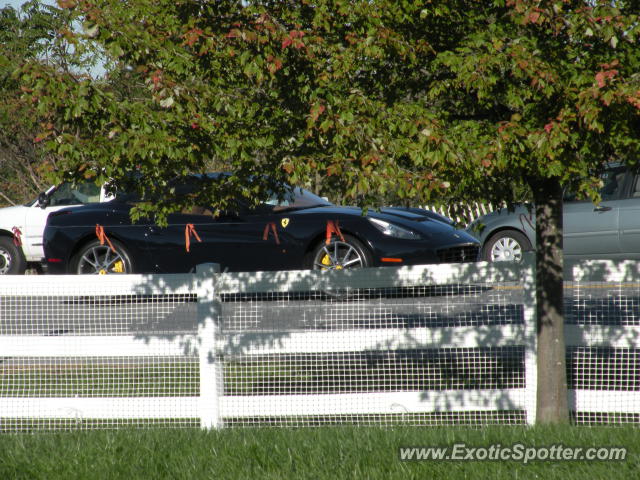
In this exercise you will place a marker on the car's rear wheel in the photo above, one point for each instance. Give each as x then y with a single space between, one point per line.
96 259
506 246
12 261
340 254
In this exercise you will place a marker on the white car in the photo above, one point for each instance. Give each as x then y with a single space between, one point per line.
21 226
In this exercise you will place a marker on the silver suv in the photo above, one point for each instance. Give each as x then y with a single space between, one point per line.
609 230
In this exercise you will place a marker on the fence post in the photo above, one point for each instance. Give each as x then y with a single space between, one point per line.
208 314
530 336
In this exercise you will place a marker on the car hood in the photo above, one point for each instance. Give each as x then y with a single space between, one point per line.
417 214
12 216
429 224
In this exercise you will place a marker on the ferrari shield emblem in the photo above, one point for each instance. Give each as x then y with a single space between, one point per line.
284 222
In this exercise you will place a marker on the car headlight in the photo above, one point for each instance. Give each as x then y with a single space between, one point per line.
393 230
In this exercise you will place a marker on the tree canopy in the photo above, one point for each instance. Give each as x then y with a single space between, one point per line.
401 100
329 94
34 33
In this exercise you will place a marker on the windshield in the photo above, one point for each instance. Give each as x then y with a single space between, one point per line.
296 198
69 194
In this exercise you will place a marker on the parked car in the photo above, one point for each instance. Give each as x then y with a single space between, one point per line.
609 230
21 226
303 231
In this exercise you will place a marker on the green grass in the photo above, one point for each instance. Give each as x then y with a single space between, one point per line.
97 378
314 453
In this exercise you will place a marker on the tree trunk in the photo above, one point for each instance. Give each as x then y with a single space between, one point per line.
552 394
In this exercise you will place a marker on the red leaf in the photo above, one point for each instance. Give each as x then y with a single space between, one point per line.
316 111
635 101
67 3
275 64
288 167
192 36
600 78
156 78
548 127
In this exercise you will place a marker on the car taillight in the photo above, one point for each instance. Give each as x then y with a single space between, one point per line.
54 260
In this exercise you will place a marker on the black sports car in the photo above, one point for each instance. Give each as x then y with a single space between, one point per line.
302 232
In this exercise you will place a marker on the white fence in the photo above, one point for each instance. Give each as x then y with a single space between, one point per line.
442 344
463 214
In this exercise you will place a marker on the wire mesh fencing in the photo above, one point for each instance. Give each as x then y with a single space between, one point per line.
603 342
80 352
430 345
450 344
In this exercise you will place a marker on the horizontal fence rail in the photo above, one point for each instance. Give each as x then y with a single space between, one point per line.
424 345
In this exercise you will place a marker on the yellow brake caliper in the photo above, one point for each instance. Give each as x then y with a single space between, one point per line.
118 267
326 260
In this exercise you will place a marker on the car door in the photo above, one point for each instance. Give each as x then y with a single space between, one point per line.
630 221
238 242
592 231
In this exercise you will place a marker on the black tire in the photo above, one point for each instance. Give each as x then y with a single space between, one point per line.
96 259
12 261
339 254
506 246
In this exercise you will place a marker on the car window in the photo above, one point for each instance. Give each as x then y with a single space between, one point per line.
197 210
613 181
69 194
635 191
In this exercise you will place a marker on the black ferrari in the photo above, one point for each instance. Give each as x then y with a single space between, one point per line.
303 231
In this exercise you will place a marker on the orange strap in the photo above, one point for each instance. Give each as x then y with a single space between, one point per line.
270 226
17 240
103 237
188 230
332 227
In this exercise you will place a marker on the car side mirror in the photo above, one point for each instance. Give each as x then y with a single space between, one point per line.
43 200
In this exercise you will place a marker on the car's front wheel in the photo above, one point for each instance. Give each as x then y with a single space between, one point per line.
12 261
340 254
506 246
96 259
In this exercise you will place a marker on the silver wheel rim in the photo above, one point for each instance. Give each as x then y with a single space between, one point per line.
101 260
338 256
506 249
5 261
